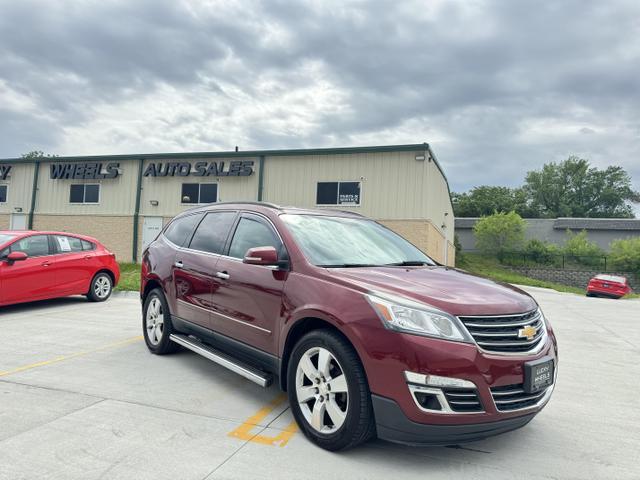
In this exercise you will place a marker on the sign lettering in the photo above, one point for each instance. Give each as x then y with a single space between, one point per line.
83 171
4 171
235 168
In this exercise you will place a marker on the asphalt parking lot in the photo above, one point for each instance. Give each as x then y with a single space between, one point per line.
81 398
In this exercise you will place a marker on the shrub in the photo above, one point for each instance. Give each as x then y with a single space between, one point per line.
625 255
499 233
458 247
577 247
541 252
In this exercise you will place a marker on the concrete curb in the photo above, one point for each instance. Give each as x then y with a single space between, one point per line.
126 293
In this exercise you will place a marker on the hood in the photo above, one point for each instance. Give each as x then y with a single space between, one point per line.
454 291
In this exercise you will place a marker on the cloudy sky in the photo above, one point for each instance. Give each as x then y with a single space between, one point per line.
496 87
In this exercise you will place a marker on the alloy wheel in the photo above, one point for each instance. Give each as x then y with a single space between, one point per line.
321 390
155 321
102 287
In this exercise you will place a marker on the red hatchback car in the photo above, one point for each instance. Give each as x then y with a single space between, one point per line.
613 286
41 265
367 334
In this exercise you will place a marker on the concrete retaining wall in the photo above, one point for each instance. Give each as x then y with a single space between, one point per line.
574 278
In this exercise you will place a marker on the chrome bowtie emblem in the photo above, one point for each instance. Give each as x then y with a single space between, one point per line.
527 332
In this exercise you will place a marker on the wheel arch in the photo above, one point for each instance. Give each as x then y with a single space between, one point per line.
151 284
112 276
300 328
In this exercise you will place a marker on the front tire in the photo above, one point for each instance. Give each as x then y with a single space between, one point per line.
156 324
328 392
101 287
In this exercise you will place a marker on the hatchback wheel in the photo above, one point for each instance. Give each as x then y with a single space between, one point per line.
328 391
101 287
156 324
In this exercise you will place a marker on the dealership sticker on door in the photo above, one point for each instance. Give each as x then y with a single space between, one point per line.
538 374
63 243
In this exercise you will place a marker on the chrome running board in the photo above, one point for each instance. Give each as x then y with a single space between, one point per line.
247 371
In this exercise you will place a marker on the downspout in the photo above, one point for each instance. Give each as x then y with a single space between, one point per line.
136 213
34 189
260 177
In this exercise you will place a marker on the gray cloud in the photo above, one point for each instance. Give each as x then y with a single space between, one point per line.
498 88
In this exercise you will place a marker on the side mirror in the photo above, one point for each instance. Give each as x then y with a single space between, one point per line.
261 256
16 257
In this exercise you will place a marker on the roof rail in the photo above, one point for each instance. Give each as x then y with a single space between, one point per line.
341 211
249 202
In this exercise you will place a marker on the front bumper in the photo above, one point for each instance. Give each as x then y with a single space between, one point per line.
393 425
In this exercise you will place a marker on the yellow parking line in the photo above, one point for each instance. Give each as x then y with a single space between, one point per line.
70 356
244 431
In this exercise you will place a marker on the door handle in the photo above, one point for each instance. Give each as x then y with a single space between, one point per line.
45 264
178 264
222 275
87 257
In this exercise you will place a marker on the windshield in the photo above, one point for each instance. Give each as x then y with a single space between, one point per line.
344 242
4 238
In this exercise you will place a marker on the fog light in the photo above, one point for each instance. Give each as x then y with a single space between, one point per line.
437 381
428 400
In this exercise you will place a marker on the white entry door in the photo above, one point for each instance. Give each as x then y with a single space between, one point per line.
18 221
151 227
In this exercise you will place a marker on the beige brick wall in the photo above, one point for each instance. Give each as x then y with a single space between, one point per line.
115 232
423 235
5 221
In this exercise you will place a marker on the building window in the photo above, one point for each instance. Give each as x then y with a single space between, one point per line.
84 193
3 193
338 193
199 192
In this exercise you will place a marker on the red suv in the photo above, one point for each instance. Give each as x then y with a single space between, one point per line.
41 265
367 334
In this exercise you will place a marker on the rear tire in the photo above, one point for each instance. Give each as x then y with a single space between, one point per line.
100 288
156 324
329 393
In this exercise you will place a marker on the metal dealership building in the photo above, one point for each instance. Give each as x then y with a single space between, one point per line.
123 200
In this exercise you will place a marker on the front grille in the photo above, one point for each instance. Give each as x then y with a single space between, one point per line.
499 333
513 397
463 399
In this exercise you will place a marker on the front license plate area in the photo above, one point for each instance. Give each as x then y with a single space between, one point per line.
538 374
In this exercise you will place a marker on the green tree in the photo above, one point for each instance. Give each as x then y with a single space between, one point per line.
485 200
35 154
625 254
573 188
499 233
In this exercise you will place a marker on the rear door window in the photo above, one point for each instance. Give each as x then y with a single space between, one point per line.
179 231
66 244
211 235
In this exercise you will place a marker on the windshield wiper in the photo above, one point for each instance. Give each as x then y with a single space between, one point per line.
408 263
349 265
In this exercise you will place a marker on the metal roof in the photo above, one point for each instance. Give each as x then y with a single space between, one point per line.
467 222
571 223
597 224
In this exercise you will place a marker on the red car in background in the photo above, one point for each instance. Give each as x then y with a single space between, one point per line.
41 265
613 286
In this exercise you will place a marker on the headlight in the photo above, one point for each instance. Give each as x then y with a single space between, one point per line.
412 317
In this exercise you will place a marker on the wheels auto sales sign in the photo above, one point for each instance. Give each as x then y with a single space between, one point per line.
235 168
